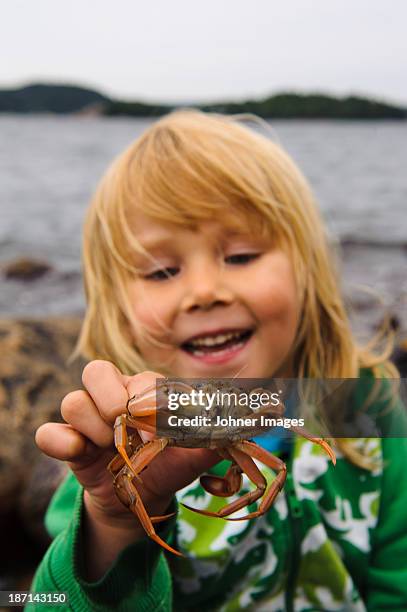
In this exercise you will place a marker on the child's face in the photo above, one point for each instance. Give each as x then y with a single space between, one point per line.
226 305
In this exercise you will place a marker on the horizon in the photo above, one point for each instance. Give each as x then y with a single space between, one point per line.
305 92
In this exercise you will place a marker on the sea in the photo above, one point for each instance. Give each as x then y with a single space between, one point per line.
50 166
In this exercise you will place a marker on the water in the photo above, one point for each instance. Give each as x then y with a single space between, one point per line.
49 167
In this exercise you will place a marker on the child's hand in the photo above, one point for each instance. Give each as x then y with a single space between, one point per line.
86 443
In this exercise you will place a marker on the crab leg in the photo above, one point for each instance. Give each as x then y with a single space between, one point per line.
246 465
141 458
121 440
118 462
124 479
253 450
303 432
137 507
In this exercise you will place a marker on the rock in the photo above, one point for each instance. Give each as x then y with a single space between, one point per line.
26 269
34 377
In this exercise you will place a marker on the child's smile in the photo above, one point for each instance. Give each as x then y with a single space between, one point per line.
217 301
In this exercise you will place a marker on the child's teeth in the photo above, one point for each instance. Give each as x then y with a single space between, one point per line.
198 353
213 340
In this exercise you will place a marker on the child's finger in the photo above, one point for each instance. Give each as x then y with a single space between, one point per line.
105 385
79 410
62 442
111 390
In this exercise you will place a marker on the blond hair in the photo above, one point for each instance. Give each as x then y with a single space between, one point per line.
187 168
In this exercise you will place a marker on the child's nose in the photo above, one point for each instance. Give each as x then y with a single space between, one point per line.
206 288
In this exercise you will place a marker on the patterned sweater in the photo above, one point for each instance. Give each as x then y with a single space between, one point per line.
335 539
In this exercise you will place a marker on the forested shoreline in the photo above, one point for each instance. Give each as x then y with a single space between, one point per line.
71 99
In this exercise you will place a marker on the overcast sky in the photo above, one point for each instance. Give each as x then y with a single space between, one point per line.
185 50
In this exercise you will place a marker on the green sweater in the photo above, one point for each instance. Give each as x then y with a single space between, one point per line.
336 539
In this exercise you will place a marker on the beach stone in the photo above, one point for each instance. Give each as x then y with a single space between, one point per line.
25 269
34 377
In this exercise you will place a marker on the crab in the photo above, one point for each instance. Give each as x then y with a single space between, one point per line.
150 408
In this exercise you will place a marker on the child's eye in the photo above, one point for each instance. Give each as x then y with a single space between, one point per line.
162 274
241 258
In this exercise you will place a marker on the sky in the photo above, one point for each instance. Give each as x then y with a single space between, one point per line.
189 51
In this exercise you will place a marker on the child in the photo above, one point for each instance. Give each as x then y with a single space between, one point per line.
205 256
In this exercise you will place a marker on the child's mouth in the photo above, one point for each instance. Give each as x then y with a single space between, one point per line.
219 345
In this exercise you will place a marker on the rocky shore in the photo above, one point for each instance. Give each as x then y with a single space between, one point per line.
34 377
